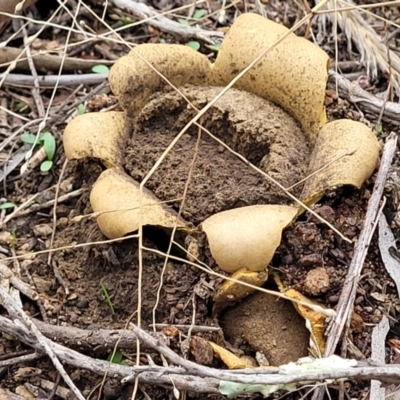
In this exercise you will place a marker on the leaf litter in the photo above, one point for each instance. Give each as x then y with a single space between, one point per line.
116 262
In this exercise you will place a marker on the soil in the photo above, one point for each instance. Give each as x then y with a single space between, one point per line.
96 286
269 326
258 130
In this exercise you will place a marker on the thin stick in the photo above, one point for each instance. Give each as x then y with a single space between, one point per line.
13 308
348 294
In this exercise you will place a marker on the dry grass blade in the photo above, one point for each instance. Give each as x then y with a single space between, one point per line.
374 53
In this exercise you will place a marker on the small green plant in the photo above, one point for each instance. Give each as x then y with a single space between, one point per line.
214 47
197 15
127 20
7 205
49 144
81 109
115 357
100 69
14 239
20 106
107 297
183 21
193 45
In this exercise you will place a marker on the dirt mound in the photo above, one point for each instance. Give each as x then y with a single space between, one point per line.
258 130
267 325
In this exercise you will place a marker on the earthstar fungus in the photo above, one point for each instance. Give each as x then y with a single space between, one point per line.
292 76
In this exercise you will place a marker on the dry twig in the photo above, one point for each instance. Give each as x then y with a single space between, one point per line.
143 12
366 101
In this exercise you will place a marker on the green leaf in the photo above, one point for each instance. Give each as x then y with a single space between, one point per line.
100 69
28 138
127 20
49 144
214 47
7 205
183 21
193 45
378 129
20 105
45 166
199 14
115 358
107 297
81 109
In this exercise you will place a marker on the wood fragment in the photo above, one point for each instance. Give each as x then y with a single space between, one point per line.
346 300
367 102
150 16
50 81
378 355
387 244
348 294
48 62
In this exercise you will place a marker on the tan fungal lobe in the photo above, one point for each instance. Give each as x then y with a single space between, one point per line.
117 198
247 237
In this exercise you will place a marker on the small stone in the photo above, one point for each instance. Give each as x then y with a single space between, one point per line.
310 260
42 230
316 282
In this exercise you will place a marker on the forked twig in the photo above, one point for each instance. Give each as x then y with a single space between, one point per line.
15 310
153 18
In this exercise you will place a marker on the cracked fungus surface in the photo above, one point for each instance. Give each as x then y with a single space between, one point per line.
260 131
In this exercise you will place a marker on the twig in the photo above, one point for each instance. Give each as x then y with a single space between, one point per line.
54 227
143 12
199 378
14 309
35 90
195 328
347 296
6 273
50 81
366 101
36 207
21 359
47 62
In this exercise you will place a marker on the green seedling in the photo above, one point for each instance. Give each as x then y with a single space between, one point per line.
199 14
7 205
49 144
378 129
115 357
100 69
20 106
127 20
183 21
14 239
81 109
193 45
107 297
214 47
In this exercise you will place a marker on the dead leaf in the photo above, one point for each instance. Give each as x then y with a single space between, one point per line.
315 322
230 360
230 291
